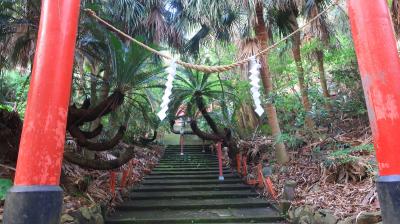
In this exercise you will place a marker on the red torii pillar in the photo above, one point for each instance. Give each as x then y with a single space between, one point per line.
379 65
36 196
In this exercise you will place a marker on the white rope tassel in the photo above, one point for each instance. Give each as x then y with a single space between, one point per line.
171 70
255 84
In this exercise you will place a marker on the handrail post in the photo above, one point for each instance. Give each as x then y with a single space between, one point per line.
379 65
238 162
36 196
113 178
244 171
260 175
182 142
219 151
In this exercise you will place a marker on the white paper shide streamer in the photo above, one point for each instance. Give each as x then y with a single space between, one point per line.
171 70
255 84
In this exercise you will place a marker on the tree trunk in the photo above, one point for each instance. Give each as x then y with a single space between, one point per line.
94 146
396 16
203 109
262 37
251 120
247 113
97 164
241 121
80 90
105 90
148 140
322 77
300 75
203 135
93 91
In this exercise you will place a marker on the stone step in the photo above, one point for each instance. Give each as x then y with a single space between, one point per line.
191 146
191 157
189 165
199 172
219 203
193 195
191 160
199 152
164 169
178 156
189 176
186 189
199 187
240 215
188 161
189 182
187 150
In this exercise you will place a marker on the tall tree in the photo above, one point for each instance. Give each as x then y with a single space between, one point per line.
320 31
284 14
262 37
395 9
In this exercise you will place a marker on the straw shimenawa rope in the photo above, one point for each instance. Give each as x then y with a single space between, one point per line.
205 68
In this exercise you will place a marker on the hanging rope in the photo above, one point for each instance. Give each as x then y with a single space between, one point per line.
206 68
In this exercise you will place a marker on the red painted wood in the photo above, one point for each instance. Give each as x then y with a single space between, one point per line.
113 178
182 143
43 135
219 154
260 176
244 171
266 182
238 163
125 173
379 66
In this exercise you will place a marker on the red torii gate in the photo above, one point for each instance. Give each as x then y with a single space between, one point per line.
36 196
379 65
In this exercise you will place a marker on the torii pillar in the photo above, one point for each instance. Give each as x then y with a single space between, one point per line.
36 196
379 65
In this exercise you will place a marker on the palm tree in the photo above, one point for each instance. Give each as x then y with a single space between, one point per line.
284 14
19 22
262 38
223 17
208 18
250 46
395 10
246 116
319 30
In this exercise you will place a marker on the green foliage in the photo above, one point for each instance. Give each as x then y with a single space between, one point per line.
14 88
185 26
5 107
265 129
347 155
291 141
5 185
190 84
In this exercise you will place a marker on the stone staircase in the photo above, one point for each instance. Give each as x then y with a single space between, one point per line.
186 189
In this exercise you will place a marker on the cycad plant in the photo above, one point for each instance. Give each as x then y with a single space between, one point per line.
132 72
195 88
